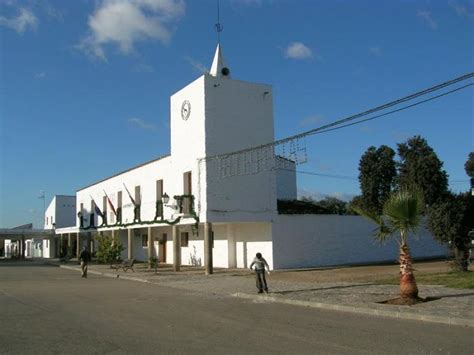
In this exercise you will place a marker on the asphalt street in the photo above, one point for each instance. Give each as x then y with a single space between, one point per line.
48 310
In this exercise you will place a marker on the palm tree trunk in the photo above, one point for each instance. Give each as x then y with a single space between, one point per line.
408 288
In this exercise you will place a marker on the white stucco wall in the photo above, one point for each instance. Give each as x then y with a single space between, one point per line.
61 211
286 181
325 240
253 238
50 214
239 115
144 176
65 211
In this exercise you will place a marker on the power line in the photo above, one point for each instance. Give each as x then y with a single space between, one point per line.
328 127
335 176
393 111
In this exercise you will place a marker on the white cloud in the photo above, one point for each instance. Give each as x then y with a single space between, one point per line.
39 76
142 123
124 23
298 50
311 120
198 66
375 51
24 20
462 10
427 18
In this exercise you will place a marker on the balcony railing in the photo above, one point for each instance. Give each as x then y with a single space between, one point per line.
185 204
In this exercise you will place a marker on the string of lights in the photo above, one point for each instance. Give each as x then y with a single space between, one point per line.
291 151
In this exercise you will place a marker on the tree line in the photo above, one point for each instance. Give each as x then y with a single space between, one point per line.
414 166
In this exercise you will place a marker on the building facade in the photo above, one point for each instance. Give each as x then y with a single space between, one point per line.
174 206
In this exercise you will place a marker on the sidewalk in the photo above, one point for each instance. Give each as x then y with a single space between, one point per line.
349 289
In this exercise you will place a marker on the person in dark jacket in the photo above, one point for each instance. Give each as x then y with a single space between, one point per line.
260 265
84 258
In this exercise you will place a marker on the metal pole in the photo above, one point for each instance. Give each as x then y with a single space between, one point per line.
176 250
208 248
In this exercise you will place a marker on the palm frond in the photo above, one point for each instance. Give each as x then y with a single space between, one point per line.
404 208
383 231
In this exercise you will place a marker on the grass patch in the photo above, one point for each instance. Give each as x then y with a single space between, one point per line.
449 279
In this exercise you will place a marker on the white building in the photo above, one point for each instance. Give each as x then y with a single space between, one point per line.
26 242
234 197
60 212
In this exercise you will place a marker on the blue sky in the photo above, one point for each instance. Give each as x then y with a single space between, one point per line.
86 82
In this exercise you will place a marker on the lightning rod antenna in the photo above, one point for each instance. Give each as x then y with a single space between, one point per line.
218 25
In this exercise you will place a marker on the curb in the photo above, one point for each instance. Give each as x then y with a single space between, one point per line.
106 274
363 310
326 306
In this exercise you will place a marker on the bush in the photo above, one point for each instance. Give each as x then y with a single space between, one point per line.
153 263
108 251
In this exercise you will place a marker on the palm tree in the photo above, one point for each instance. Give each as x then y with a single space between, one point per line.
401 213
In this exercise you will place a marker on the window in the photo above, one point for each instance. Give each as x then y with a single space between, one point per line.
119 207
52 222
119 199
187 190
81 218
159 195
184 239
159 189
92 215
137 195
104 210
47 243
144 240
104 204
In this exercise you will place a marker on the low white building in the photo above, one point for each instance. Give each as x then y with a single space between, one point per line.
231 199
60 212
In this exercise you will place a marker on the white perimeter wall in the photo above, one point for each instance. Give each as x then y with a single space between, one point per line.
324 240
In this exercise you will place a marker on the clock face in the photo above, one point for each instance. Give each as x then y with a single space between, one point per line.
185 110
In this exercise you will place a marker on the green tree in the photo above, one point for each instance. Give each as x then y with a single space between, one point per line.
377 170
333 205
450 222
469 166
420 168
108 250
401 214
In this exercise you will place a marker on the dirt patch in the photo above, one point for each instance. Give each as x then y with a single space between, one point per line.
403 301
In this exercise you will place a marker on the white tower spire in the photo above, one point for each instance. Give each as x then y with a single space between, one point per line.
218 67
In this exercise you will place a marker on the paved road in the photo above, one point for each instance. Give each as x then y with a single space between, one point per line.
50 310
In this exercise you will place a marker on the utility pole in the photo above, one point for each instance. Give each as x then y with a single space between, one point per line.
42 196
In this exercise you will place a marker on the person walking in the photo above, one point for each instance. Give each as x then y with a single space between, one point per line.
260 265
84 258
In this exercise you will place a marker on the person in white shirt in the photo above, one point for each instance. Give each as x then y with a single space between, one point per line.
260 265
